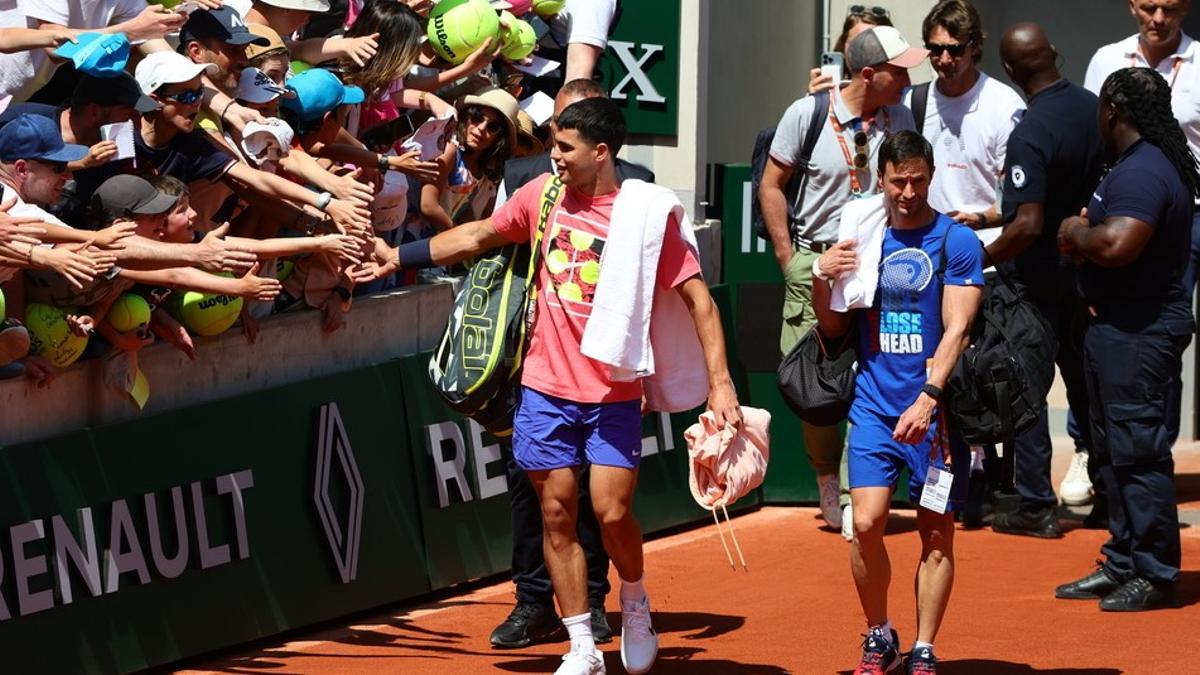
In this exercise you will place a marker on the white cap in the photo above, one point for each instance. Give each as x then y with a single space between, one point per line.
164 67
255 86
268 141
314 6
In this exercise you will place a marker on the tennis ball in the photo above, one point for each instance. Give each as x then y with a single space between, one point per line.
517 38
284 269
206 314
50 336
548 7
459 27
129 312
298 66
3 306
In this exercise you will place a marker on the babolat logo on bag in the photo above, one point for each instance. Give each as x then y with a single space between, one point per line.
476 365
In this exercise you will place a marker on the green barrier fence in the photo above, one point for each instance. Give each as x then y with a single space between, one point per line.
150 541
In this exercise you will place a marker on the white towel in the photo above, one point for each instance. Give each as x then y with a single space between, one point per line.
864 220
637 328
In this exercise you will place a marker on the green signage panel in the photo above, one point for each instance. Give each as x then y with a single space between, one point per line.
149 541
640 67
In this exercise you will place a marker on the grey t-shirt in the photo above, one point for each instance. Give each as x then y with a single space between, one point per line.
829 185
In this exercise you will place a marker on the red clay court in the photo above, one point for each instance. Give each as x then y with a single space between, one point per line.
795 611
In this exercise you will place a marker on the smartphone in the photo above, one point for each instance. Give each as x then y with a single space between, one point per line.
831 65
186 7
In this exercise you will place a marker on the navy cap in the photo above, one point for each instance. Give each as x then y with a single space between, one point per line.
119 90
224 23
37 137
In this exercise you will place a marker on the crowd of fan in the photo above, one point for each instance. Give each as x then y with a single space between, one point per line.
251 152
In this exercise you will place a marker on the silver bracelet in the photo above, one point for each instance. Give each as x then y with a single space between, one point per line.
323 200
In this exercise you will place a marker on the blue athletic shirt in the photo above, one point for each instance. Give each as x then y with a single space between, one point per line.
899 334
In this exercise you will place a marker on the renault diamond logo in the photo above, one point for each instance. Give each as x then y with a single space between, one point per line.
342 531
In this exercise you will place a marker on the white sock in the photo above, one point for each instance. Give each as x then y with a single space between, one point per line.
579 629
918 644
633 591
883 630
977 455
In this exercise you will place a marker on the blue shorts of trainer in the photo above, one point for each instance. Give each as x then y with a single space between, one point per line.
552 433
874 459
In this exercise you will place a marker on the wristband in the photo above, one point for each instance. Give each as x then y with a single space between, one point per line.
382 163
983 220
415 255
227 107
323 200
421 100
816 270
932 390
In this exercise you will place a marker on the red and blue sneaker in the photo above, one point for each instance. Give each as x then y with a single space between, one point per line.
880 655
921 661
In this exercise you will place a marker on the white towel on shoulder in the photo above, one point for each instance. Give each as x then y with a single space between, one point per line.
660 346
864 220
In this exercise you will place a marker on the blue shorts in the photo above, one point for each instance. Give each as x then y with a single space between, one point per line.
875 459
552 433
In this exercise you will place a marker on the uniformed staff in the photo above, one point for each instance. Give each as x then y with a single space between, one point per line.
1052 164
1133 240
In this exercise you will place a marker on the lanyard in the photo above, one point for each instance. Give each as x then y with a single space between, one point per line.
855 186
1174 67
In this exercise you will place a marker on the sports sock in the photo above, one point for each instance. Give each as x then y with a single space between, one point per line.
883 630
977 455
633 591
918 644
579 629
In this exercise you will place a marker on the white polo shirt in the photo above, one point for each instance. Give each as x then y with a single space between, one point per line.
1181 70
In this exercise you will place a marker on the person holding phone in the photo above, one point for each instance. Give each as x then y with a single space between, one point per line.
833 63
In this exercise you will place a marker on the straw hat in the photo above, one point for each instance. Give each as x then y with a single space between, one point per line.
525 128
502 102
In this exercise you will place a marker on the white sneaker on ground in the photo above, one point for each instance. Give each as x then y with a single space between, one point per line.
848 523
639 642
827 485
1076 488
581 663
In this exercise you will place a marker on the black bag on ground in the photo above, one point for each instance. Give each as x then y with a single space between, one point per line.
816 378
1000 383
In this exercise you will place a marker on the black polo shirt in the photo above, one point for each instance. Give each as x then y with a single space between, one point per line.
1147 294
1054 157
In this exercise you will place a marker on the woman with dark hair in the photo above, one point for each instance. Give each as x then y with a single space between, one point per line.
1133 240
472 165
858 19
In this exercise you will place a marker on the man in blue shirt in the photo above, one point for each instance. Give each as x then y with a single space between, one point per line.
1052 164
1133 239
929 290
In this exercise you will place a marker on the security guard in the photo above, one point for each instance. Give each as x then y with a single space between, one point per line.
1052 164
1133 241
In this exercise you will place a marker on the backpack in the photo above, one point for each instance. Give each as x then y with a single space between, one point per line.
477 363
920 101
1000 383
794 190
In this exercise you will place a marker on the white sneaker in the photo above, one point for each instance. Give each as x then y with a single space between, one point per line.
639 642
848 523
1076 488
827 485
579 663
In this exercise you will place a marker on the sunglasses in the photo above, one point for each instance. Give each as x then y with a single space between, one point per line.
187 96
477 116
955 50
865 10
861 150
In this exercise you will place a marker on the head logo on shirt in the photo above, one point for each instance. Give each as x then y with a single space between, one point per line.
908 269
1018 176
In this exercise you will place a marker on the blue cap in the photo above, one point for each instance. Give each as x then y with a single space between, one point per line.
317 92
37 137
97 54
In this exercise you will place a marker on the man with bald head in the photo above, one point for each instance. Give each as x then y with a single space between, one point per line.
1052 165
533 618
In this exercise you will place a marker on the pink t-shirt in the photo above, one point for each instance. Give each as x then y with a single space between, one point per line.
575 235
